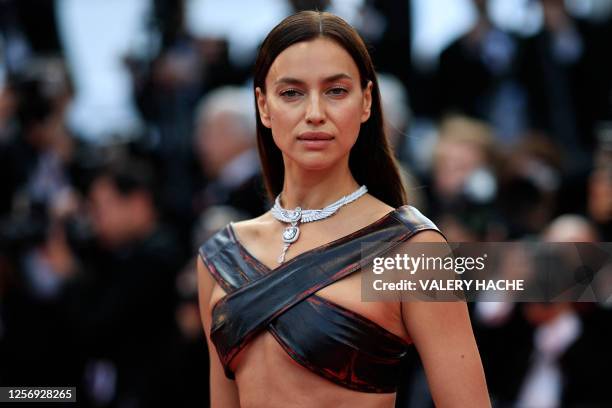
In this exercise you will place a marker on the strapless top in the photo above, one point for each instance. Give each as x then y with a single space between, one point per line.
320 335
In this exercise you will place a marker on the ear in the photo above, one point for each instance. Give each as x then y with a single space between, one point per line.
262 105
367 102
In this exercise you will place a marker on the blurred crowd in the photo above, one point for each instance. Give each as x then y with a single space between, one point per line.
507 136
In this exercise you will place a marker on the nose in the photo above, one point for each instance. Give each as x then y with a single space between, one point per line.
315 111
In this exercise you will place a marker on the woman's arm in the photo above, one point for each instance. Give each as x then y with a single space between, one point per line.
223 392
442 334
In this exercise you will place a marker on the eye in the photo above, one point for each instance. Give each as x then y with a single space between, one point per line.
290 93
337 91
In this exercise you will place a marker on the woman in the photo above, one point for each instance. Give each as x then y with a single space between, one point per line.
280 294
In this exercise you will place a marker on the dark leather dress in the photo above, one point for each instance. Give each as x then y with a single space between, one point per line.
326 338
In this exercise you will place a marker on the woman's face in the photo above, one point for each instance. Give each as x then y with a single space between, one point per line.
314 103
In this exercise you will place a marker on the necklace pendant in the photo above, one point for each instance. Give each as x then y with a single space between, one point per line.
295 215
291 234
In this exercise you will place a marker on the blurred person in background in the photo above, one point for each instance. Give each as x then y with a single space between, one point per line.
465 146
549 354
531 182
35 196
387 27
476 77
464 183
559 68
34 159
570 354
122 298
225 145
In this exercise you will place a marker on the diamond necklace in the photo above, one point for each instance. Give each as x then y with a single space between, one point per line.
293 217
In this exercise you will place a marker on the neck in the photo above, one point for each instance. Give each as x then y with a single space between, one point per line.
313 189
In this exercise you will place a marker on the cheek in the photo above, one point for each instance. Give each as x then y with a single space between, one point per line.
284 120
282 114
348 121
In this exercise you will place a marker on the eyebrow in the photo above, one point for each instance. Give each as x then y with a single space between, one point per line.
295 81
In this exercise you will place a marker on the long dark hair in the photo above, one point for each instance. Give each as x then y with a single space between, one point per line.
371 160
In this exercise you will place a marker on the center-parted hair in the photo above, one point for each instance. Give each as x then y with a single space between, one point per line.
371 160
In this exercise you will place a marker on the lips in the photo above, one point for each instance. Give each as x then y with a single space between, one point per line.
315 136
315 140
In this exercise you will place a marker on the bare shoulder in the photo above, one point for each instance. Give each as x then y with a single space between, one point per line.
371 208
380 205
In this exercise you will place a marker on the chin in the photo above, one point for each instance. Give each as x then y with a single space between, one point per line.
317 160
316 163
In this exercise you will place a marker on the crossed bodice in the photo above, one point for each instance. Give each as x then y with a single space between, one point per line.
322 336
